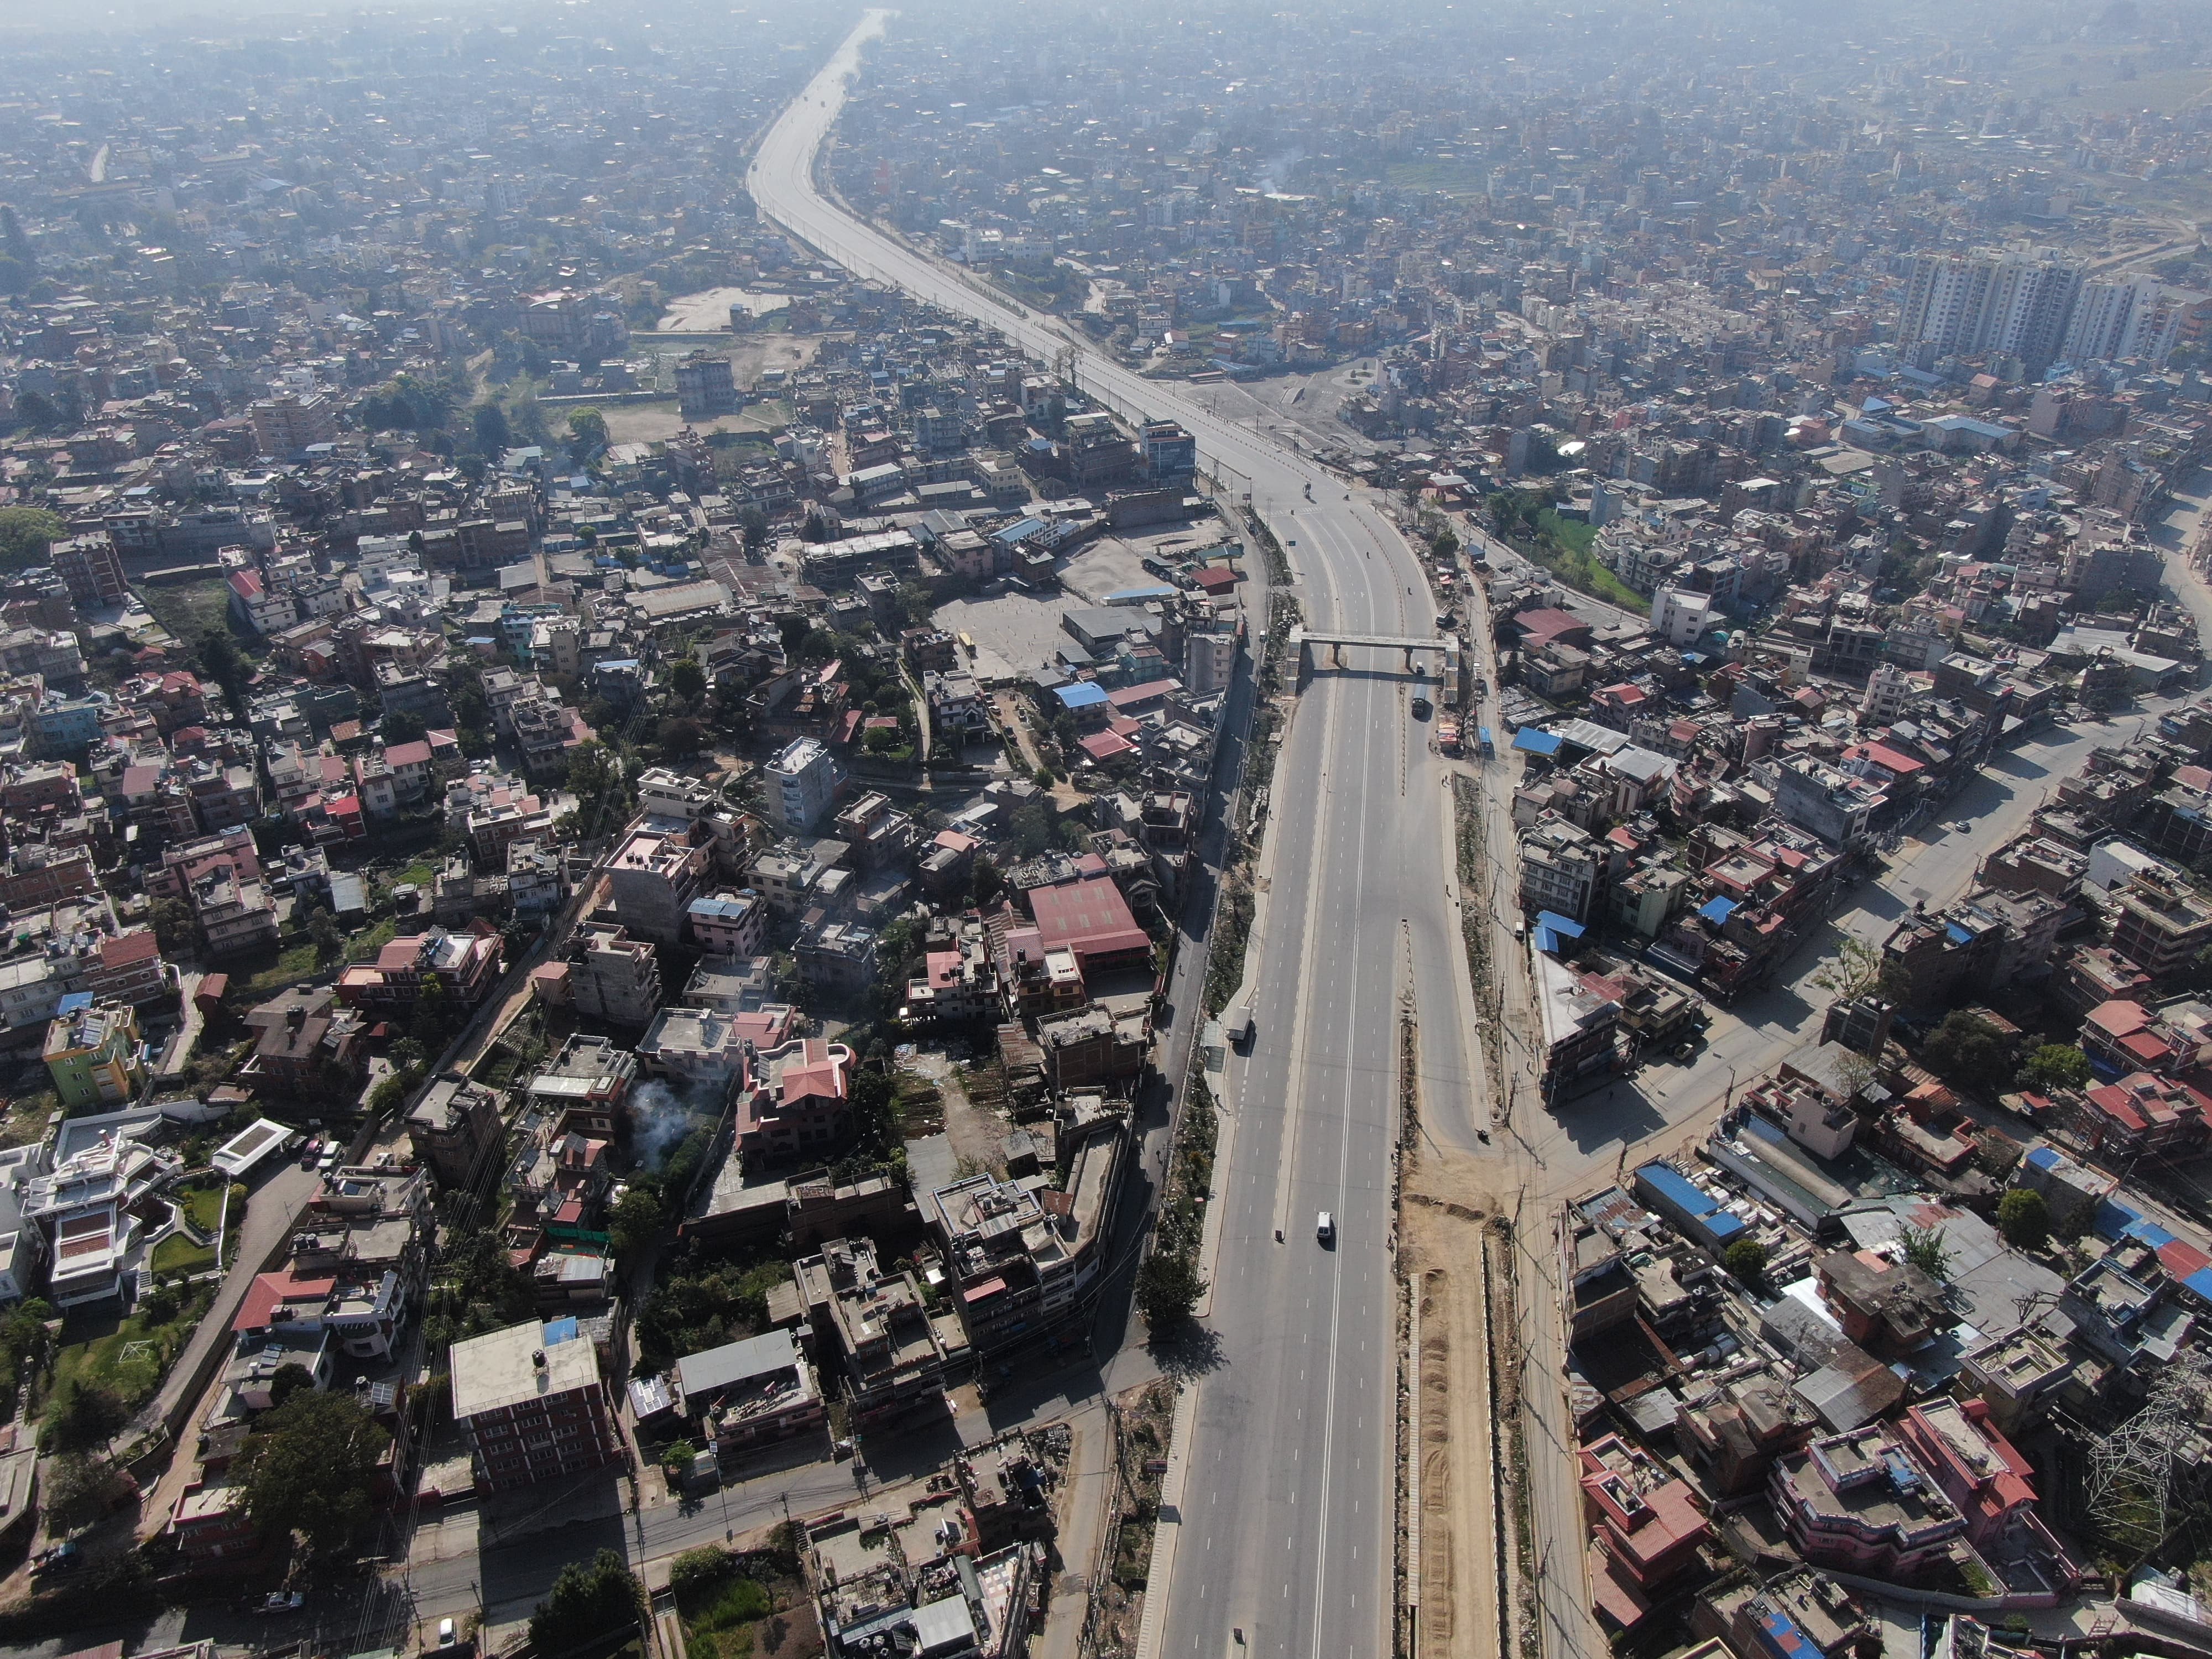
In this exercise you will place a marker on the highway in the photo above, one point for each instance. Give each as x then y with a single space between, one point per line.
1288 1506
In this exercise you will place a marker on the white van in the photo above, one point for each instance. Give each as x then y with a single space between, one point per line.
1325 1227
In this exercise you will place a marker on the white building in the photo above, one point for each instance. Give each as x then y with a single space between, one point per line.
802 785
1680 617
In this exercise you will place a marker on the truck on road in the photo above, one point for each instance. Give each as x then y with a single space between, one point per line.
1236 1024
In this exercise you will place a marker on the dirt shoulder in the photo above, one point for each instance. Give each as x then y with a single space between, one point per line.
1447 1235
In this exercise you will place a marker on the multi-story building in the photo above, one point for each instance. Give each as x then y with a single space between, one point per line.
1015 1266
1680 616
466 967
729 924
2162 923
697 1047
92 568
876 1328
286 424
308 1047
750 1392
794 1102
803 781
607 976
591 1075
1560 866
455 1129
548 733
654 876
1647 1518
1862 1502
705 388
2016 303
95 1053
1986 1479
534 1409
236 914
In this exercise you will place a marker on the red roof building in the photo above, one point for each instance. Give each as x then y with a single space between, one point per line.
1091 919
1551 626
1647 1517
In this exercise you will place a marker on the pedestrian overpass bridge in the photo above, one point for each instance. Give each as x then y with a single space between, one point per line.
1302 636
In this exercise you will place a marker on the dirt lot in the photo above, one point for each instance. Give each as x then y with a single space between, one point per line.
978 1135
654 422
1444 1235
692 313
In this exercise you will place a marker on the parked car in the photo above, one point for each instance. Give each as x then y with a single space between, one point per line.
284 1601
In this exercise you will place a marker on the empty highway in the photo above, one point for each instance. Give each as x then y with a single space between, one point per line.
1288 1501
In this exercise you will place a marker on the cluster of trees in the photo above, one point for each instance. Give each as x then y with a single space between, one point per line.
591 1603
704 1304
478 1289
19 262
1530 522
445 413
309 1468
25 533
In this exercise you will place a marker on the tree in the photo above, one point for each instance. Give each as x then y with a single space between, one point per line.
635 1224
680 738
175 928
987 881
688 680
493 434
329 937
19 260
677 1458
228 670
1746 1259
1445 543
1929 1249
25 533
289 1378
1966 1048
1856 970
25 1342
589 428
429 1025
753 521
86 1416
402 726
589 1601
2055 1065
2024 1219
313 1468
1168 1289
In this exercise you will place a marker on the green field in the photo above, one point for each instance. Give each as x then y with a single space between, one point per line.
177 1253
189 610
129 1355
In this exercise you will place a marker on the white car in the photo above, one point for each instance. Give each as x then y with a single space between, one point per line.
1325 1227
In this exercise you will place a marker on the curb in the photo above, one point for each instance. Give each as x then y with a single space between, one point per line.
1167 1530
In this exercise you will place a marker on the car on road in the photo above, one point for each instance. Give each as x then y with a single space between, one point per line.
284 1601
1325 1227
1423 708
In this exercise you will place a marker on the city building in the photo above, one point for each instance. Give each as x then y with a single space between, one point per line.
93 1052
534 1408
